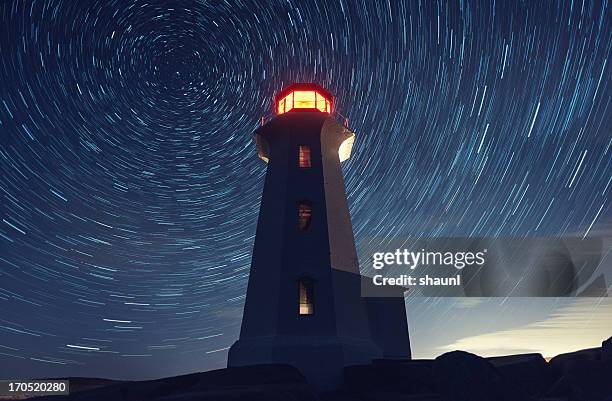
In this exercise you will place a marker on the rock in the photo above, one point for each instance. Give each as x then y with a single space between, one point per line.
606 350
563 362
406 377
585 380
530 372
248 383
461 376
455 376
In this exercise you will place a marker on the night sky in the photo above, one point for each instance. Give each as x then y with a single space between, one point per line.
130 187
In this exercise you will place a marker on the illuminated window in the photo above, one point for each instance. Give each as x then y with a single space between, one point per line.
304 99
321 102
281 107
306 297
289 102
304 215
304 156
305 96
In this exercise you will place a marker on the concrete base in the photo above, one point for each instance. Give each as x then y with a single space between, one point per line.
320 359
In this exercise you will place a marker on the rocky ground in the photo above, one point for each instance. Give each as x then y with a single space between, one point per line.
455 376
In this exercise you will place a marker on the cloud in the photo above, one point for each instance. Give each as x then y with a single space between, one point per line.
584 323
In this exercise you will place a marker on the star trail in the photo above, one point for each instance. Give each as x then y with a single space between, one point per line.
130 187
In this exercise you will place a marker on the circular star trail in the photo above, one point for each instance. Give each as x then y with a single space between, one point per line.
130 187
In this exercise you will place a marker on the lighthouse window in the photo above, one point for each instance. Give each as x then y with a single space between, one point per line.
304 156
304 99
309 99
306 297
304 215
321 103
281 106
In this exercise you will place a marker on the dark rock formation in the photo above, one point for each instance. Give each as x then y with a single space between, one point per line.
530 372
253 383
563 362
455 376
585 380
461 376
606 350
406 377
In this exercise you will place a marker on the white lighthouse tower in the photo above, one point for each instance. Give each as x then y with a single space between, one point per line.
304 305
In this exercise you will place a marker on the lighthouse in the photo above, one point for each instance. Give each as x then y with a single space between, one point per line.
303 304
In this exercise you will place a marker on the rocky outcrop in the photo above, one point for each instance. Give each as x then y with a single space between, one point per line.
461 376
455 376
562 363
606 350
253 383
406 377
585 375
529 372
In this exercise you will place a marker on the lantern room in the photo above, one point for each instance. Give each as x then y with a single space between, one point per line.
303 97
